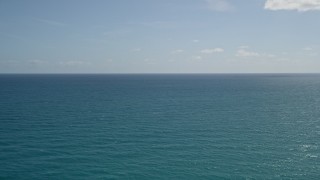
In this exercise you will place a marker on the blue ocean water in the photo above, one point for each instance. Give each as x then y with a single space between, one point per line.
205 126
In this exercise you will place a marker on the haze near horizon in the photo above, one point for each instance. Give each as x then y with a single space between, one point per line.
167 36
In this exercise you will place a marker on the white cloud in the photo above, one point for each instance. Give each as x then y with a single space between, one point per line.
269 55
243 47
177 51
210 51
219 5
307 49
196 57
299 5
246 53
195 41
243 51
74 63
136 50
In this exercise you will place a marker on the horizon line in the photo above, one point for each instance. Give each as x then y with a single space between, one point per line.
233 73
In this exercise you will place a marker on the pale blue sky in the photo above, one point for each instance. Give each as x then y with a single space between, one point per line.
159 36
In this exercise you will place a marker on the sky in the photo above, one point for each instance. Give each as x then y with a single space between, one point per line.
160 36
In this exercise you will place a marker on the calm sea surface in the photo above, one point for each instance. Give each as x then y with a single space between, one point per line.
160 126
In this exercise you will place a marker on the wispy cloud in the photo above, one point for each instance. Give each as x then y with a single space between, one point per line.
117 33
243 51
196 57
156 24
149 61
136 50
36 62
219 5
50 22
298 5
11 35
307 49
177 51
210 51
9 62
310 51
74 63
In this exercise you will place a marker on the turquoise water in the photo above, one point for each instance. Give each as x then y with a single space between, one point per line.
263 126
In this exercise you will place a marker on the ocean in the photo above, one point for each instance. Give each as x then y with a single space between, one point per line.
160 126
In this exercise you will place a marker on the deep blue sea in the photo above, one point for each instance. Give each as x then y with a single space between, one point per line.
152 126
